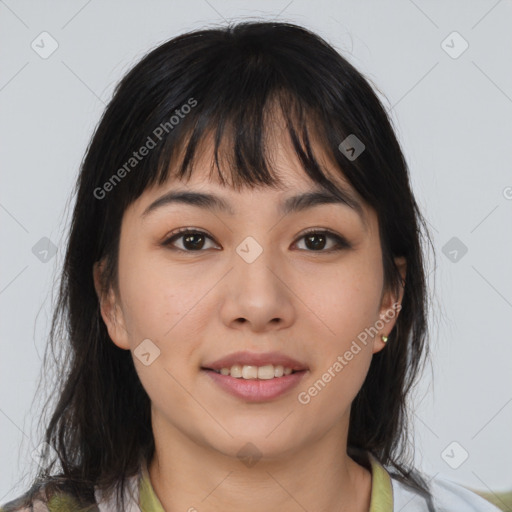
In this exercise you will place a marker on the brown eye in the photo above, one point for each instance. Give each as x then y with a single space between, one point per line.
316 241
192 240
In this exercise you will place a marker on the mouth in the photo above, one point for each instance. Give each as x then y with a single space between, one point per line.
255 377
255 389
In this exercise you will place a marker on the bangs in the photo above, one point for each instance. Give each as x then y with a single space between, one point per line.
242 139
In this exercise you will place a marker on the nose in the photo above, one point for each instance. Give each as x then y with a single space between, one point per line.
258 293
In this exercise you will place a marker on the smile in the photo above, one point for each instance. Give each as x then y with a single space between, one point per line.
256 389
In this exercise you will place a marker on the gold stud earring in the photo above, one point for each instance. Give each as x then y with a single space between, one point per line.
384 338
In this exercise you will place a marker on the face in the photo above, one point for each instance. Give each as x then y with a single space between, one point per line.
250 278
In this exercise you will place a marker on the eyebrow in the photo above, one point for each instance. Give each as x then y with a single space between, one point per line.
297 203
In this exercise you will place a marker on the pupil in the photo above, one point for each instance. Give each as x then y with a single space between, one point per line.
194 245
309 238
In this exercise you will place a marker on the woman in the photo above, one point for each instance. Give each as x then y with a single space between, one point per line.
243 293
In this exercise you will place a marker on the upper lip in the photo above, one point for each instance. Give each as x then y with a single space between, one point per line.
256 359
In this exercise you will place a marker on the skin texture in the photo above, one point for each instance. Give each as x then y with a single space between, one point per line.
205 304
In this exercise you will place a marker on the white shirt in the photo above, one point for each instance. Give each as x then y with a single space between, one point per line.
448 497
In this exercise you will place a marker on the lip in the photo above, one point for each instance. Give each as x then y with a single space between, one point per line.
256 390
256 359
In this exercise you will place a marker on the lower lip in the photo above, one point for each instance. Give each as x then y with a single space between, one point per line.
256 390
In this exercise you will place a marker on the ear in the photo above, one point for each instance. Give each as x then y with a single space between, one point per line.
390 307
111 311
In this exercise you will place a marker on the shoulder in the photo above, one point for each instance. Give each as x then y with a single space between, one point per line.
64 495
35 501
447 496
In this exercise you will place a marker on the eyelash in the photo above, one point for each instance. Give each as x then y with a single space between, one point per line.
341 243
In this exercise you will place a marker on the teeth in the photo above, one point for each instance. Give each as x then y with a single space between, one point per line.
248 372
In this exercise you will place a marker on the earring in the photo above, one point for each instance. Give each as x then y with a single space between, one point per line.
384 338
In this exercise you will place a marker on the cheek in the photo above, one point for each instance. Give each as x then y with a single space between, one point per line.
158 304
145 297
346 298
149 297
160 301
345 305
348 305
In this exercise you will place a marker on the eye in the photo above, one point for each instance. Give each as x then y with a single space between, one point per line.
193 240
316 240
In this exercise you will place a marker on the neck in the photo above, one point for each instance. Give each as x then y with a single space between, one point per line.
320 476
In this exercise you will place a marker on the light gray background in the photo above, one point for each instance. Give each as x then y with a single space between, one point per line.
452 116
